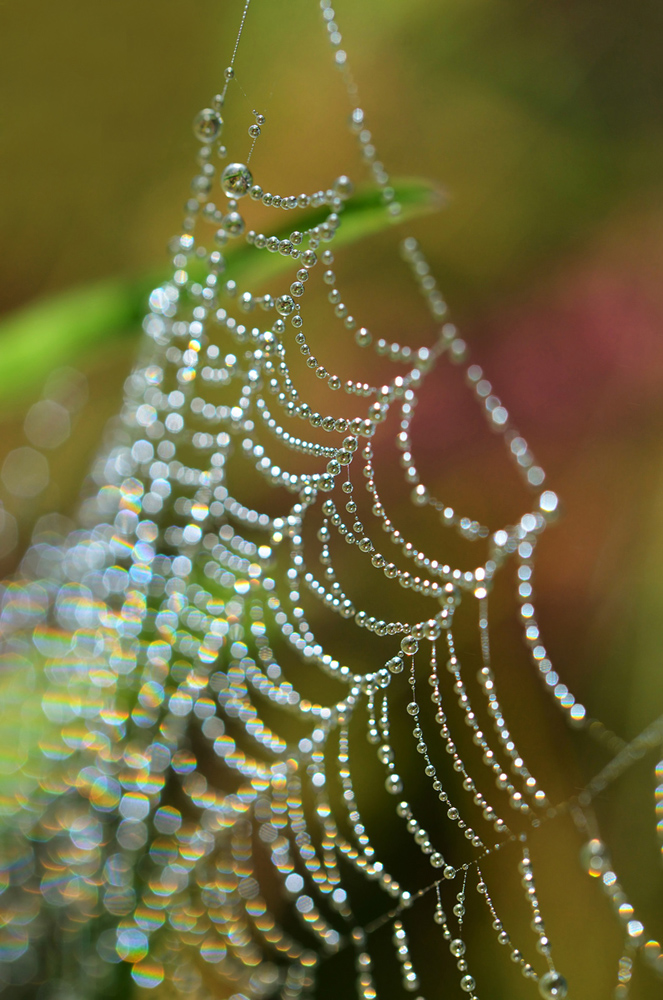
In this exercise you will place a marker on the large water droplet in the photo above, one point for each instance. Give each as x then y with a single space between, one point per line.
236 179
553 986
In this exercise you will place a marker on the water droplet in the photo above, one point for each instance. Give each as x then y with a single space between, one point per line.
47 424
285 304
236 179
233 224
207 125
25 472
553 986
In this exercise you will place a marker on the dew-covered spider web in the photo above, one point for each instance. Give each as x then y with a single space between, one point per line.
247 776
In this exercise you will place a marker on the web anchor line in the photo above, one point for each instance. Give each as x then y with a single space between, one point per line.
239 33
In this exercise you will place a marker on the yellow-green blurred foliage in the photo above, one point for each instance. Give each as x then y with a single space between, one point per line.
542 121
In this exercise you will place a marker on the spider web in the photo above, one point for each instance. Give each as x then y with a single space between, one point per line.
207 805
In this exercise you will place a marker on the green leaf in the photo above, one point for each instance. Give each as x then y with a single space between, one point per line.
72 326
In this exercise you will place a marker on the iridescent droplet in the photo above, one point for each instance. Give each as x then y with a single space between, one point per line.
593 857
148 974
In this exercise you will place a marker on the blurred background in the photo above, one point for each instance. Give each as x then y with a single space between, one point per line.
542 122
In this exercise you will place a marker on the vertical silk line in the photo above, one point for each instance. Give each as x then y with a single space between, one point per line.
229 71
239 33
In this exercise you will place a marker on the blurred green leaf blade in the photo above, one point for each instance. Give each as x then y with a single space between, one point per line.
75 325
